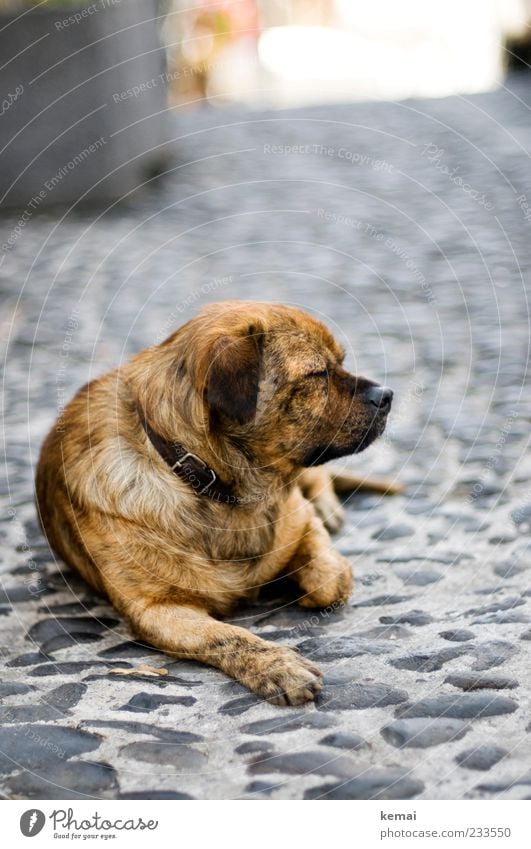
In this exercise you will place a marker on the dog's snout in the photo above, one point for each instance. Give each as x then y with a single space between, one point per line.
380 397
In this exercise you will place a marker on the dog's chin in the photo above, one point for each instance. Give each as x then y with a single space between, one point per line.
323 453
376 429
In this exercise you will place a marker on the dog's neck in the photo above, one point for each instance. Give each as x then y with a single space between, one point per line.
223 473
240 479
189 467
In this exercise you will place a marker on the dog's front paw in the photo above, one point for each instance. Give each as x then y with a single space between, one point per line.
328 507
326 584
283 677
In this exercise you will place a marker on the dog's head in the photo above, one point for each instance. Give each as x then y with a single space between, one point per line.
270 379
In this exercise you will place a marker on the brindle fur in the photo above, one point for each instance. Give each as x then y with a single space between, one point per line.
254 390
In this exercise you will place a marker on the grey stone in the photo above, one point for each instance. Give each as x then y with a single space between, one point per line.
286 722
238 706
344 740
423 732
78 780
393 531
163 795
303 763
508 603
487 490
501 538
509 569
73 667
481 758
28 659
457 635
387 632
42 746
502 786
146 702
263 787
435 538
412 617
450 558
420 508
475 526
27 713
291 633
168 734
69 608
331 648
372 784
130 648
382 601
161 682
254 746
19 593
491 654
181 757
480 681
289 616
65 696
521 517
359 695
429 660
156 794
460 706
47 629
14 688
419 577
507 617
64 641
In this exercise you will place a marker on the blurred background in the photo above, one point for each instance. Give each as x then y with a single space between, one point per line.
119 73
277 53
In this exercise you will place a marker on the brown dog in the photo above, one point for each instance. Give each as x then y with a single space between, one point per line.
185 480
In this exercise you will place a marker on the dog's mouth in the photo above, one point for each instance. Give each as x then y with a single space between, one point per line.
375 430
332 451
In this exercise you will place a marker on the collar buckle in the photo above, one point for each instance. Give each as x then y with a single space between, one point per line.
197 459
215 488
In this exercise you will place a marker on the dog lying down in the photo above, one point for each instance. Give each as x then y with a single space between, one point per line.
182 482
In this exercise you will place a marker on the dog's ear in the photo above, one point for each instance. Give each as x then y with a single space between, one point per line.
232 376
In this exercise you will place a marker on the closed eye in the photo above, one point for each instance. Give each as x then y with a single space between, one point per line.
317 374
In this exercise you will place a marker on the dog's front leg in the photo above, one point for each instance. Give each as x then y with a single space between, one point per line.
316 485
276 673
324 575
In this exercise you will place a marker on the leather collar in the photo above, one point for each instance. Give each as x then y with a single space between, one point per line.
190 468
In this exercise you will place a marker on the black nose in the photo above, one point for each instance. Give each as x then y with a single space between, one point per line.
380 397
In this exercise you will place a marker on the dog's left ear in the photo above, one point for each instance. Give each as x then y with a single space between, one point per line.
232 377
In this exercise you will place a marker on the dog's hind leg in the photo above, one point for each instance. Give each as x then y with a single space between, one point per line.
347 483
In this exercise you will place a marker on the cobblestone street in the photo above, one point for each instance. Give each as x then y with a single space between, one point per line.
406 228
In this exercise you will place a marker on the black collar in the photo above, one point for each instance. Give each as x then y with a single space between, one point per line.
190 468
